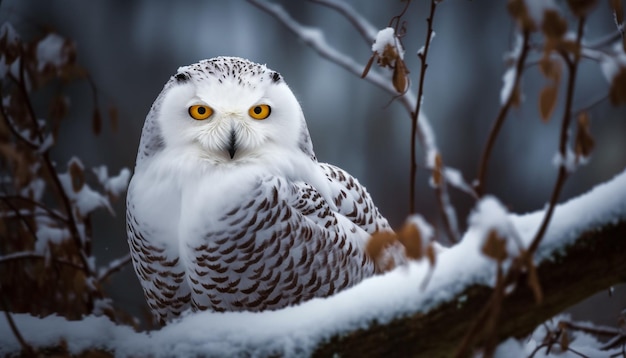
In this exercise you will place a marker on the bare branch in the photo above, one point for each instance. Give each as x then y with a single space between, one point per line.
30 255
364 27
567 116
504 109
27 349
113 267
315 39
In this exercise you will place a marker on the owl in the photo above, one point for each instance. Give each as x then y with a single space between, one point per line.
228 208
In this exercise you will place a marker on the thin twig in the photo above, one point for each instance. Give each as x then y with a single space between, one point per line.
29 255
72 224
314 38
504 109
567 116
21 217
27 349
55 215
113 267
418 105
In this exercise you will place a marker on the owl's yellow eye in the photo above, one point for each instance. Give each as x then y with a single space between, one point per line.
200 112
260 111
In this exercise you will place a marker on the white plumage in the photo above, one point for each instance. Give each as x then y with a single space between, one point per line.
232 212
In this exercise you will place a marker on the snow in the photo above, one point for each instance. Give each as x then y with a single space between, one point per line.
570 162
50 51
421 50
114 185
611 64
386 37
86 199
491 216
296 331
508 78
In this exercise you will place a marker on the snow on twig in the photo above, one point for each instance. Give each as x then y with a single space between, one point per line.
315 39
113 267
364 27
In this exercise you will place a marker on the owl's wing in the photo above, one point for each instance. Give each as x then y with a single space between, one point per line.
279 245
353 201
160 272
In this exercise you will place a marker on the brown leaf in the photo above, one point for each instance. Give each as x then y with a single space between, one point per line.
96 122
581 8
550 68
369 65
617 92
411 238
584 141
564 341
495 247
77 174
400 75
554 26
518 11
388 57
378 243
547 101
533 281
438 170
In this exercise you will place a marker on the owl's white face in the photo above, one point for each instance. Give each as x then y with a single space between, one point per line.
231 114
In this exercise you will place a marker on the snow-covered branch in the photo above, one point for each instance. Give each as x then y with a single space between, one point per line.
585 237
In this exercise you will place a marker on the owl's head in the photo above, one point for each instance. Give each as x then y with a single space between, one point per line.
226 110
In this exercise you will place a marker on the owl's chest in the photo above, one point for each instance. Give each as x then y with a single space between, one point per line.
156 203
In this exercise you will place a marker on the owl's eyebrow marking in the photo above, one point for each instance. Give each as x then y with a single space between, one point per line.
182 77
275 77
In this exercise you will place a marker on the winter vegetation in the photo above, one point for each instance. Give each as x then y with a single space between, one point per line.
494 284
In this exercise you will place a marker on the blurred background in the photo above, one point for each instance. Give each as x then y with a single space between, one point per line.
130 48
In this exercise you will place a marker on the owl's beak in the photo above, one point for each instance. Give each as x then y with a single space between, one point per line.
232 146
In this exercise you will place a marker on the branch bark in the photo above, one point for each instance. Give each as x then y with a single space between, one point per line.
593 263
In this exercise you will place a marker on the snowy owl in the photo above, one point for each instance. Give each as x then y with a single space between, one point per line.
228 208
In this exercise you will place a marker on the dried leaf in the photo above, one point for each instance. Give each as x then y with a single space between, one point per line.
438 171
564 341
400 77
554 26
519 12
547 101
96 122
550 68
378 242
617 92
411 239
533 281
388 57
581 8
366 70
78 175
584 141
495 247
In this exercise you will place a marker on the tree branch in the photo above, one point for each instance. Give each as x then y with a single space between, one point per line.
438 332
